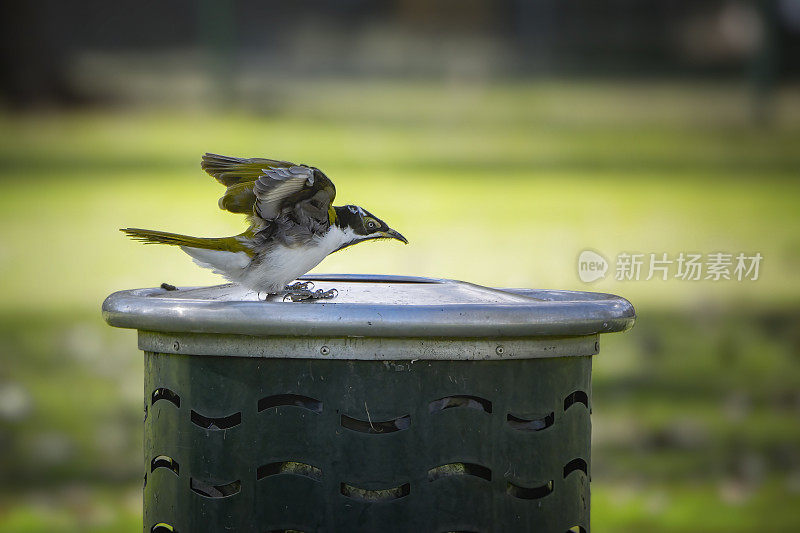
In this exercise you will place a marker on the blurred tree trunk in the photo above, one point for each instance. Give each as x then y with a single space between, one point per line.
764 64
32 61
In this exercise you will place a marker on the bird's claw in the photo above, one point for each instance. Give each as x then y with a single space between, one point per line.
330 294
300 286
301 295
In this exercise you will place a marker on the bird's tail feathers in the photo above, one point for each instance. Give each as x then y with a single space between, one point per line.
228 244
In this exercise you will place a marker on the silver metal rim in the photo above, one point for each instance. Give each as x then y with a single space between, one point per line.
549 313
366 348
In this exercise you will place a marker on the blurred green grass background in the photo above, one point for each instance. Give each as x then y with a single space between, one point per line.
696 409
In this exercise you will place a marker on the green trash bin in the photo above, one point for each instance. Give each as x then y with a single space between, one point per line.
405 404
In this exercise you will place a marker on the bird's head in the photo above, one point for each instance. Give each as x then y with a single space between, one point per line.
361 225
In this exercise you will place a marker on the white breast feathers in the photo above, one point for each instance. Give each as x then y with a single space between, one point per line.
283 264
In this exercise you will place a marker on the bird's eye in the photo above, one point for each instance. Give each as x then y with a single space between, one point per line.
371 225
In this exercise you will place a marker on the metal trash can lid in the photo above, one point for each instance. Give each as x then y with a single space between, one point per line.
374 306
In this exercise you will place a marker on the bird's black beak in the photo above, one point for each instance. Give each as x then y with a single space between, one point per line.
392 234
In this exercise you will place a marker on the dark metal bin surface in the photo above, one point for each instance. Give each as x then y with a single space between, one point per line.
405 404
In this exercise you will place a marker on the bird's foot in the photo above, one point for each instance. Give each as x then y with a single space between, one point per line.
301 295
300 286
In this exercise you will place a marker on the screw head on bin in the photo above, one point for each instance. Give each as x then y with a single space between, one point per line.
325 350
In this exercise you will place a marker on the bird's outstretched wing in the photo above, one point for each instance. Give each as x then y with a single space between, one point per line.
274 190
238 174
235 170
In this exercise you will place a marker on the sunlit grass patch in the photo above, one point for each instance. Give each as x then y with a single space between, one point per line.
502 186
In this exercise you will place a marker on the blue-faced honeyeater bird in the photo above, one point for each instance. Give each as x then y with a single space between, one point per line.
293 225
